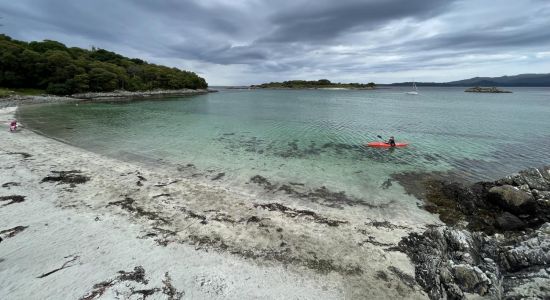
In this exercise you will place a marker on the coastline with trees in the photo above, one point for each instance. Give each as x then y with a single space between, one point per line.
314 84
54 68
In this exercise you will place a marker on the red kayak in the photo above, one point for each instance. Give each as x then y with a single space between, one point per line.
385 145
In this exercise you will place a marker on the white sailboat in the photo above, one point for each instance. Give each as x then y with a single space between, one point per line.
414 91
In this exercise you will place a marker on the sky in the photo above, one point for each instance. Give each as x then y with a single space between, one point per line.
243 42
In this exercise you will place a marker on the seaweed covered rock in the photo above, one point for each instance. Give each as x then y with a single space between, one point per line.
512 199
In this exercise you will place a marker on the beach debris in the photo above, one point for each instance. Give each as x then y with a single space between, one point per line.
161 195
223 217
382 276
123 284
9 233
165 184
322 266
292 213
262 181
140 179
321 195
182 168
10 184
67 177
146 293
385 224
131 206
404 277
253 219
13 199
169 290
138 275
164 236
67 264
219 176
372 240
24 154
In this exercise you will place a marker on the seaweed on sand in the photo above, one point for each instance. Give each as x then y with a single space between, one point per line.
13 199
292 213
67 177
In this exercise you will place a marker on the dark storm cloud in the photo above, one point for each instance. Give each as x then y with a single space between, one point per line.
256 39
325 19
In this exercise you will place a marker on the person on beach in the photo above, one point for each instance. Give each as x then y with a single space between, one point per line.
13 125
391 141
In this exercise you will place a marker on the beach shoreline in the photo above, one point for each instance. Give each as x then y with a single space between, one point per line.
96 216
16 100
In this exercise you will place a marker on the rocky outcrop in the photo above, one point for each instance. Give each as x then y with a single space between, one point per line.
450 263
16 100
496 243
121 94
478 89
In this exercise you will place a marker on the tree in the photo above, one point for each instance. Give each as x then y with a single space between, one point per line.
51 65
46 45
101 80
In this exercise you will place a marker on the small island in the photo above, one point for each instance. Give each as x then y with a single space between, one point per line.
478 89
314 84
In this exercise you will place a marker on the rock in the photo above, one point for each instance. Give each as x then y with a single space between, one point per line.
534 179
471 279
508 221
528 251
512 199
545 172
478 89
502 266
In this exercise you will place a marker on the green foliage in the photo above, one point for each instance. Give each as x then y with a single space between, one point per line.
51 66
314 84
29 92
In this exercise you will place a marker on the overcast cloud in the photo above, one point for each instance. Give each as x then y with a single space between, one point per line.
253 41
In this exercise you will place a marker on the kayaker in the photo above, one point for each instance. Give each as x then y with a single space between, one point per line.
391 141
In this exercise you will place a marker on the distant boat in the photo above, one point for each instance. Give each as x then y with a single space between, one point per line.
414 91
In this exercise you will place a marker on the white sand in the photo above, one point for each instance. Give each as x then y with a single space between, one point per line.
213 242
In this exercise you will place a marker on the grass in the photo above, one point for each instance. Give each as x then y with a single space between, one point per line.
6 92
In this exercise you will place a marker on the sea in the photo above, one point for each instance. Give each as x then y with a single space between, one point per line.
315 138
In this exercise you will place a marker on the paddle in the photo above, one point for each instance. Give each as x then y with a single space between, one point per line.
380 137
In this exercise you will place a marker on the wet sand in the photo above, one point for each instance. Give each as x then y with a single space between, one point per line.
84 226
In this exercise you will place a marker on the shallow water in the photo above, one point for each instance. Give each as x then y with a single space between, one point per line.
316 137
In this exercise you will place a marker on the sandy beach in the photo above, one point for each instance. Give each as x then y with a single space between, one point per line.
76 225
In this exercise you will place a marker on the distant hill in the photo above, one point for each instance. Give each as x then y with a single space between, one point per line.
542 80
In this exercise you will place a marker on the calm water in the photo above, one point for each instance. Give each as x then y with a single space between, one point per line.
316 137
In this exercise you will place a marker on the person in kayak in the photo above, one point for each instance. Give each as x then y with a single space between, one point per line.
391 141
13 125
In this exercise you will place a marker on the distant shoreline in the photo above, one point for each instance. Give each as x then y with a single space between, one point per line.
311 88
16 100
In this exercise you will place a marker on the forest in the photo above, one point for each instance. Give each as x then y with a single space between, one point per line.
51 66
313 84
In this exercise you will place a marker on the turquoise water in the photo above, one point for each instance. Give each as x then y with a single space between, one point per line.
316 137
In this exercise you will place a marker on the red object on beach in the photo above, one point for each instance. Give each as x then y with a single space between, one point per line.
385 145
